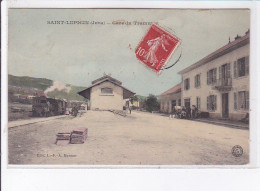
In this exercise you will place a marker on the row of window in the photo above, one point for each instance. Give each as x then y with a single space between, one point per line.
241 101
241 68
211 102
187 82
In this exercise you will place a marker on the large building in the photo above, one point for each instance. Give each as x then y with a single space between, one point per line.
170 98
106 93
219 82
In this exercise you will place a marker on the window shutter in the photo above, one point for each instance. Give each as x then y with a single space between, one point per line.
215 102
214 75
207 77
197 102
198 80
239 100
247 100
235 69
228 70
219 73
247 65
235 100
244 100
208 103
195 81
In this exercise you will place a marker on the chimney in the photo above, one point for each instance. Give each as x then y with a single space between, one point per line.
248 31
237 37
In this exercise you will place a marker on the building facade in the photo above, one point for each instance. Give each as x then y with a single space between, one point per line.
106 93
170 98
219 83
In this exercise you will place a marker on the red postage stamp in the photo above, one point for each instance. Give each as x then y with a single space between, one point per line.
156 48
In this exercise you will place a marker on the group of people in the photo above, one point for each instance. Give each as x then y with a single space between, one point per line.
74 111
182 112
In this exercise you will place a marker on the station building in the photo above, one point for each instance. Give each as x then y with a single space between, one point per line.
219 82
106 93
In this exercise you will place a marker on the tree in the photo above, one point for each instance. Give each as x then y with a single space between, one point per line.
133 99
151 103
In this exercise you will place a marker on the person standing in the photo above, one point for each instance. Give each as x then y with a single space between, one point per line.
193 111
188 112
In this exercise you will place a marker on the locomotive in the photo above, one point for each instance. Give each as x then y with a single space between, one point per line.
45 107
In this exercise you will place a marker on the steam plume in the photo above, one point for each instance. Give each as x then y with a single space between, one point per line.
60 86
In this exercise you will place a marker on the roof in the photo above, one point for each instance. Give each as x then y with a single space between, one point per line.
237 43
86 92
107 77
173 90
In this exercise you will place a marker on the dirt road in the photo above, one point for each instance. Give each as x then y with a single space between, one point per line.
139 139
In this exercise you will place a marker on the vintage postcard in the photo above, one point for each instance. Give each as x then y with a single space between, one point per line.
128 86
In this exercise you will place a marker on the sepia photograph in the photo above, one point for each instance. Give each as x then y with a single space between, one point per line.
137 87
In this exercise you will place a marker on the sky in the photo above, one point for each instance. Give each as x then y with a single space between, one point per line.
80 53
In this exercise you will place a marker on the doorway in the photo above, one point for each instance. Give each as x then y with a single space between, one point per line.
225 109
173 105
187 103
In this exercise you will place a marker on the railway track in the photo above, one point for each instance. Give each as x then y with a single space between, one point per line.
18 123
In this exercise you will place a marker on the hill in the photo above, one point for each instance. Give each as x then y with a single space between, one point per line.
64 91
29 82
140 97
